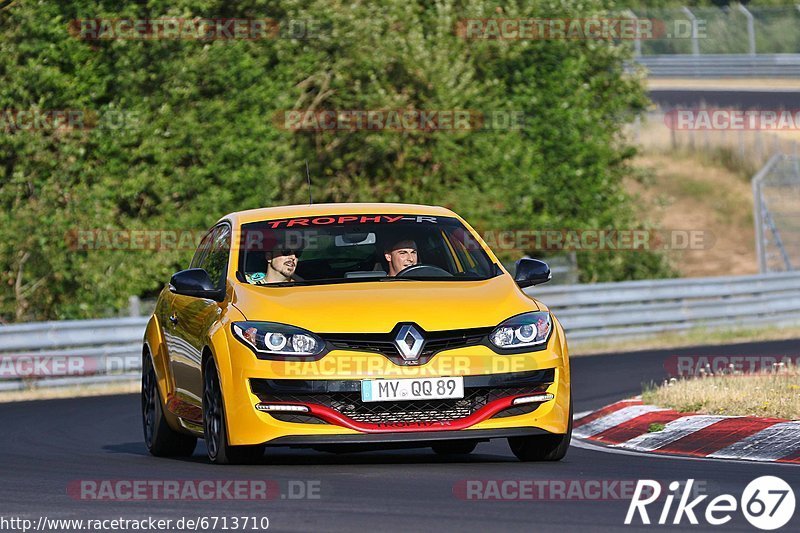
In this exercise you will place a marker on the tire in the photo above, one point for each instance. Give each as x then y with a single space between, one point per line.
160 439
214 424
543 447
454 447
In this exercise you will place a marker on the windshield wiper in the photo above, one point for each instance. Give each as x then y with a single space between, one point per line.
333 281
434 278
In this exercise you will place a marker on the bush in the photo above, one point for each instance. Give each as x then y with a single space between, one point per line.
199 138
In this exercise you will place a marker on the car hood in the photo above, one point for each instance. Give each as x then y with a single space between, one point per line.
376 307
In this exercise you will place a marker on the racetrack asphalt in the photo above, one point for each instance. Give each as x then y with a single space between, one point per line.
718 97
47 445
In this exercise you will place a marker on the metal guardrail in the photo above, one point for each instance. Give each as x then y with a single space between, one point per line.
70 353
71 333
85 352
722 65
640 308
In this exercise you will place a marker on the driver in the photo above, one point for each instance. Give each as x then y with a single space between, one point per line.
281 264
401 255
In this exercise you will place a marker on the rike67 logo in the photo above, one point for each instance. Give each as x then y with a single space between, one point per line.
767 503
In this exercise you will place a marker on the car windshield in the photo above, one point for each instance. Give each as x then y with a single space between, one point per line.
356 248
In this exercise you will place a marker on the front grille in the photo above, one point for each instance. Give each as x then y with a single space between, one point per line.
383 343
390 416
350 405
517 410
435 345
297 419
370 345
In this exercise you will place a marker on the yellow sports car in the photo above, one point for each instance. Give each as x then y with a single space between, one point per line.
353 326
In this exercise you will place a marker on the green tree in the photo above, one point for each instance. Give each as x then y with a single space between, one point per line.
196 133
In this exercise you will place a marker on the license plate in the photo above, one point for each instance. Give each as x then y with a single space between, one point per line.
386 390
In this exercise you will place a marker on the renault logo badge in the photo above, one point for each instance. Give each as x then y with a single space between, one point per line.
409 341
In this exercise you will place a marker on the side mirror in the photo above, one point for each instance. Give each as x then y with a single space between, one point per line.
531 272
195 282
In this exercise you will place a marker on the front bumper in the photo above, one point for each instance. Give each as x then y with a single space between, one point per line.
339 402
417 439
330 389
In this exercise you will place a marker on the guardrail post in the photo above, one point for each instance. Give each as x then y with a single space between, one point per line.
695 43
751 31
742 150
134 306
757 218
673 137
796 157
759 142
637 41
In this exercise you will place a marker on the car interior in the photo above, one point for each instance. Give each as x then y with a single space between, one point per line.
357 252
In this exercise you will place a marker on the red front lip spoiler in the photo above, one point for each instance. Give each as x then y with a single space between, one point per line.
334 417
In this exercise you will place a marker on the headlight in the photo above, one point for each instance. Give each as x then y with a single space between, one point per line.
270 338
529 329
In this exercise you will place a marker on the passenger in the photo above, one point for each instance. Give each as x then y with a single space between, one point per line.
281 265
400 256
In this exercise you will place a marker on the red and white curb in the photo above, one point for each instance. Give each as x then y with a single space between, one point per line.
627 425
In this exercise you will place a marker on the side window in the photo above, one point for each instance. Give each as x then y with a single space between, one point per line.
202 250
216 262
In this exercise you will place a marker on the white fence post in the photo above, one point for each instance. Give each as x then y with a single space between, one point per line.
751 31
695 43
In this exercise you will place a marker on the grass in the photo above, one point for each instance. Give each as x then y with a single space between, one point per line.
685 192
104 389
774 394
696 188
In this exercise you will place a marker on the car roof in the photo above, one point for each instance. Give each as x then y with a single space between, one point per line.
294 211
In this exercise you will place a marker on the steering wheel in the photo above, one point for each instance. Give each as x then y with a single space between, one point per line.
425 271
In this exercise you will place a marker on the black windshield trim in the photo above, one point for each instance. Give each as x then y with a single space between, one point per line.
337 281
324 221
